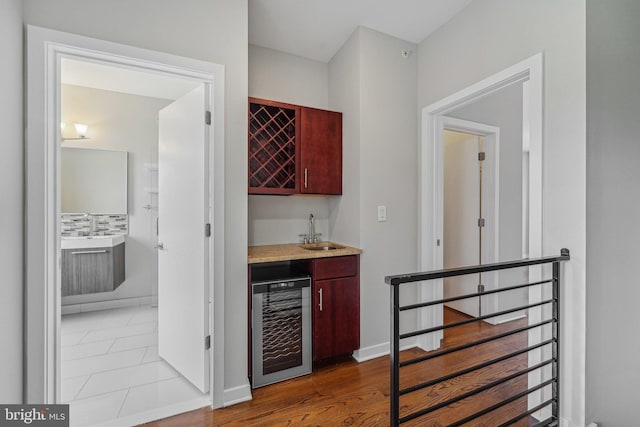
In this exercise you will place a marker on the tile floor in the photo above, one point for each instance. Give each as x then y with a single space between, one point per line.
111 368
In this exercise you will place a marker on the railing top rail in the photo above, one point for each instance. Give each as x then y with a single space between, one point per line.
472 269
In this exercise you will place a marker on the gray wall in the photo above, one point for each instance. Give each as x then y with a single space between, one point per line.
374 86
123 122
209 30
487 37
11 212
613 209
286 78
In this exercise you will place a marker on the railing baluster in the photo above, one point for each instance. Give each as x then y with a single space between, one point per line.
395 356
555 368
554 321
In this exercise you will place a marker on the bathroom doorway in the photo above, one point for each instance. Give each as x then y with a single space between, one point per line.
122 321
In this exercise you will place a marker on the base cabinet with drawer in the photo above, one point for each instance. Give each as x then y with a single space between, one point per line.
336 306
92 270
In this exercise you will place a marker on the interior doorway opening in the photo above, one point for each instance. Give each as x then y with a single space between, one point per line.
112 366
47 51
469 213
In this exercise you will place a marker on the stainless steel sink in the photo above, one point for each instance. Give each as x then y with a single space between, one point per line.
321 247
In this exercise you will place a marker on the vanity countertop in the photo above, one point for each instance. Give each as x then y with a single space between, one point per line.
85 242
291 251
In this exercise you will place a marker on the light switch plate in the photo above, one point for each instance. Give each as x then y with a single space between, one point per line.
382 213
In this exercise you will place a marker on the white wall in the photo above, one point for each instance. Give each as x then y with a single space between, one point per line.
489 36
287 78
11 190
613 208
208 30
386 143
123 122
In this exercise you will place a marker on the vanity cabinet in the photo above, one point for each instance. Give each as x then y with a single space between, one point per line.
336 306
92 270
294 149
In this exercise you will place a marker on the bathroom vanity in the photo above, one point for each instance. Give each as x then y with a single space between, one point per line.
92 264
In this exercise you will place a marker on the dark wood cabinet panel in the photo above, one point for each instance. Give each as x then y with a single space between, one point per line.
336 267
87 271
321 151
336 306
294 149
336 317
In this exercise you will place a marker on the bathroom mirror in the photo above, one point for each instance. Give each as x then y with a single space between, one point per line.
93 181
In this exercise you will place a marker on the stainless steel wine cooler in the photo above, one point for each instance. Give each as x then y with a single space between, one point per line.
281 327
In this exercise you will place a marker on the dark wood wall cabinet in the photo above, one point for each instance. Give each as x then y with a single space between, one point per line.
91 270
336 306
294 149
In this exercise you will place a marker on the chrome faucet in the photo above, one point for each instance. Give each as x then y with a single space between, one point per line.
311 236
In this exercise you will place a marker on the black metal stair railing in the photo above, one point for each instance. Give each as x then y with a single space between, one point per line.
553 320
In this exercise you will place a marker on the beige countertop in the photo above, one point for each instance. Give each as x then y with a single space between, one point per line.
291 251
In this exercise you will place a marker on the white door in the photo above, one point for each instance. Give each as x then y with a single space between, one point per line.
468 197
183 211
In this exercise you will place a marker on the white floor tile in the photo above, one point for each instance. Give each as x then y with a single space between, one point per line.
71 387
118 332
151 355
119 379
136 341
105 362
87 412
71 338
86 350
159 394
112 367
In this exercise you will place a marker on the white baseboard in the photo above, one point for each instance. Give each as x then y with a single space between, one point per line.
105 305
379 350
158 413
236 395
504 319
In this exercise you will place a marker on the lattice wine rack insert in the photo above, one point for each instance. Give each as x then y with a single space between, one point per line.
272 147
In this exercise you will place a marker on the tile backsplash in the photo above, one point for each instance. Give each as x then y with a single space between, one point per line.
104 225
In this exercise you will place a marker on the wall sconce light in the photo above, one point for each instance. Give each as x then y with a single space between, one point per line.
81 131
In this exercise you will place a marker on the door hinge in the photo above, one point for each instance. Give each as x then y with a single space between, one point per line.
207 117
207 342
480 288
481 156
480 222
207 230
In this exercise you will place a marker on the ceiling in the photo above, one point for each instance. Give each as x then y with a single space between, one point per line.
316 29
124 80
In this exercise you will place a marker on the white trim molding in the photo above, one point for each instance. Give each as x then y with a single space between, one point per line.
530 73
373 352
239 394
45 50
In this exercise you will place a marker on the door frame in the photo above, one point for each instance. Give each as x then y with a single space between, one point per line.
530 71
491 132
45 48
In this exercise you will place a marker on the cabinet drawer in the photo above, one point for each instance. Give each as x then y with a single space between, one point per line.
333 268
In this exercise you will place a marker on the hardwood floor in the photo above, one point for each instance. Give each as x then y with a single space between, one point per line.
357 394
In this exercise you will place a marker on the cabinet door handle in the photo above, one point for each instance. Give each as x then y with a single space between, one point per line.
320 304
305 177
104 251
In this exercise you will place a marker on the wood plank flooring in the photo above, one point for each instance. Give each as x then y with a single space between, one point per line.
357 394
